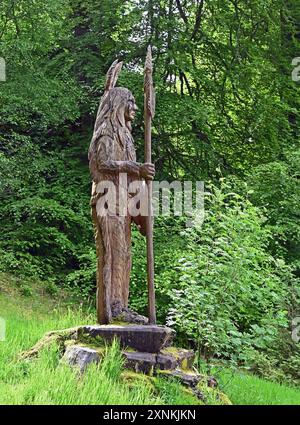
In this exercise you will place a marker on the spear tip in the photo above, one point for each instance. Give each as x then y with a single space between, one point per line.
148 85
149 64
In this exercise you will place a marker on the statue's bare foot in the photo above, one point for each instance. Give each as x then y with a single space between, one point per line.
131 316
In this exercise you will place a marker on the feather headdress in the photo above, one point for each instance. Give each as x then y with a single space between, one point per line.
113 75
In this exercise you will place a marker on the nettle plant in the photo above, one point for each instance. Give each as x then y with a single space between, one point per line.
231 293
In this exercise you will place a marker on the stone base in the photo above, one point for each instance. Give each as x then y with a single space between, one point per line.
170 359
170 362
146 349
144 338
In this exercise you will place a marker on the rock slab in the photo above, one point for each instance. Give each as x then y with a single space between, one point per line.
172 358
140 362
147 363
76 355
147 339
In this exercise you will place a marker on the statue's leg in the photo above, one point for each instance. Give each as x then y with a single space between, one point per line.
103 266
127 268
120 242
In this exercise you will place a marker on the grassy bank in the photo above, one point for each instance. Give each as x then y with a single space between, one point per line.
246 389
29 312
46 380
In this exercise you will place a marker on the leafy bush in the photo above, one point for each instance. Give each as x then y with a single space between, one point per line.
275 186
230 293
46 229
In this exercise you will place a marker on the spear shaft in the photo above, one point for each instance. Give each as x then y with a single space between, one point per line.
149 114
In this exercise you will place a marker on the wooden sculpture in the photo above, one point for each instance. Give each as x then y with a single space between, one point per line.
111 154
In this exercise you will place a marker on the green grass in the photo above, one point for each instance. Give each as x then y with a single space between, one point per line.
46 380
245 389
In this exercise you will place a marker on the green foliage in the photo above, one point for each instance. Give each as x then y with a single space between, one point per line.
173 394
230 293
36 95
275 186
226 97
47 229
168 249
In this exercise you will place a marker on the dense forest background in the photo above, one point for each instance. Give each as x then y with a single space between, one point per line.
227 113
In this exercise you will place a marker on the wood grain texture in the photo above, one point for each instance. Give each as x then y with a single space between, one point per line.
112 152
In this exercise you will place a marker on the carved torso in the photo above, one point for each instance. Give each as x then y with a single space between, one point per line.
111 149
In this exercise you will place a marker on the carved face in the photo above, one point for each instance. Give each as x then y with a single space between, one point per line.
131 109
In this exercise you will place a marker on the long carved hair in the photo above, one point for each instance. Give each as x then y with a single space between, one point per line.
110 119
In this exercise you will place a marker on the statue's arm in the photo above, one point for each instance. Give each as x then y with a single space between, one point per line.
140 221
112 166
106 162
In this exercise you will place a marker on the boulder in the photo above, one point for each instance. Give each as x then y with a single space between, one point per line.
173 358
76 355
140 362
188 378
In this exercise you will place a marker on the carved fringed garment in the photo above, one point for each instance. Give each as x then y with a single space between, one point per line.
113 232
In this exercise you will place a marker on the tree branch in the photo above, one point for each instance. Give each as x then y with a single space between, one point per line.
198 20
181 12
184 78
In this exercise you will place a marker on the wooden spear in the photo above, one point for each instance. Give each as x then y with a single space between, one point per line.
149 110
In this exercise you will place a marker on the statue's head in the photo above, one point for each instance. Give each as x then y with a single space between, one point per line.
118 104
116 112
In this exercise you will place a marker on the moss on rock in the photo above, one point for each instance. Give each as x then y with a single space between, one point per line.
54 337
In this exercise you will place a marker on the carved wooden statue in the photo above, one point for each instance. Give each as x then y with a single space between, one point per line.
112 152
